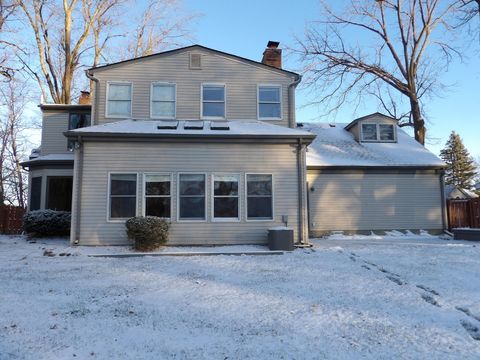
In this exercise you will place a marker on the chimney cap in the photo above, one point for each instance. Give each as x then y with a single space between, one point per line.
273 44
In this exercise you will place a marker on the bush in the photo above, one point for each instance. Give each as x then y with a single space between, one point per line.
47 223
147 232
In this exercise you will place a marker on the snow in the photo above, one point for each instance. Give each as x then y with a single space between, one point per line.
396 296
335 146
53 157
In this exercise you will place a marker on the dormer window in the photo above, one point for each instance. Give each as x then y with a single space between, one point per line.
378 132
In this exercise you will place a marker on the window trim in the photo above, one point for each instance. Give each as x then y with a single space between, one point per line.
246 198
212 200
178 197
120 220
280 103
378 133
107 116
144 193
224 102
152 84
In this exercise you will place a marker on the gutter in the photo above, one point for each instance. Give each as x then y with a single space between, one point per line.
95 93
78 177
291 101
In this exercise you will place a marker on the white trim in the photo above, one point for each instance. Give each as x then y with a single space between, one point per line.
110 173
224 102
144 192
178 196
152 84
279 86
106 100
378 132
212 200
246 199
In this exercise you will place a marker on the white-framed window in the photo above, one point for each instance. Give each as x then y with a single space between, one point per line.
122 196
269 99
378 132
259 194
157 190
119 100
225 203
192 196
213 101
163 100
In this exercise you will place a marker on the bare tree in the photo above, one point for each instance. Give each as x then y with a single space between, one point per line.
469 9
401 64
7 9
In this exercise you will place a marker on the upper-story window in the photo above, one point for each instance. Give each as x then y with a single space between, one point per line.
119 99
213 101
378 132
77 121
269 102
162 101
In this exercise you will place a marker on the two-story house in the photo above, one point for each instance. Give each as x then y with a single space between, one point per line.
209 140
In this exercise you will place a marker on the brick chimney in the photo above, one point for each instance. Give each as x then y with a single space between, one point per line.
273 55
84 98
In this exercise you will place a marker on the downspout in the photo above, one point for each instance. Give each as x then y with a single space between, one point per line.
301 187
95 94
78 184
444 203
291 101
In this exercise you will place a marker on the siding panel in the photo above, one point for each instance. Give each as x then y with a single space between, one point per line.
53 125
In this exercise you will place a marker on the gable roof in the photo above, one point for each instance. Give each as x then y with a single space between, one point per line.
464 193
191 47
336 147
375 114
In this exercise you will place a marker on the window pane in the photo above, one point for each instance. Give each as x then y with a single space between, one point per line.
269 110
157 185
163 92
192 184
35 193
226 184
259 207
163 109
123 184
77 121
225 207
259 184
119 92
157 206
386 132
192 208
122 108
215 93
122 207
369 131
214 109
59 193
269 94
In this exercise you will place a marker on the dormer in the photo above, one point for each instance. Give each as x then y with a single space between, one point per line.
374 128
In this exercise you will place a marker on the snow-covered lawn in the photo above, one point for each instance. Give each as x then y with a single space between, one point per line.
382 298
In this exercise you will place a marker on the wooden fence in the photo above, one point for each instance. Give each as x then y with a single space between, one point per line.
463 213
11 219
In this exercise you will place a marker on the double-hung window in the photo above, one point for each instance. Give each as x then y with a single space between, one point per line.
157 195
225 197
191 196
269 102
259 196
213 101
162 101
122 196
119 99
378 132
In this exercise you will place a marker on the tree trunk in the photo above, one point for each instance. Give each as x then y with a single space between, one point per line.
418 122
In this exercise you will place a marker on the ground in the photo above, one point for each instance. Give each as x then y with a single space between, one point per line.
404 297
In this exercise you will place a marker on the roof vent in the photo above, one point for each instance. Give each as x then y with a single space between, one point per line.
193 125
219 125
332 125
167 125
195 61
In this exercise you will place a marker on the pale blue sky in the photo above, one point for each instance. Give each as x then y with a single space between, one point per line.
244 27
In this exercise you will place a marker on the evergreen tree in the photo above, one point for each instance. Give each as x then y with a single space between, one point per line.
460 169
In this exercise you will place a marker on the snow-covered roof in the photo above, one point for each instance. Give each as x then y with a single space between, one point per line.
50 158
237 128
336 147
455 192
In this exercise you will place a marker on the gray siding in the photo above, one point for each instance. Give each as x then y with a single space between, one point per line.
240 78
374 201
101 158
54 123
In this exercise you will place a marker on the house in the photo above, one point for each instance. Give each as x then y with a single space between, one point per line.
453 192
209 141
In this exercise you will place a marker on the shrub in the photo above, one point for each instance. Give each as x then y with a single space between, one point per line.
147 232
47 223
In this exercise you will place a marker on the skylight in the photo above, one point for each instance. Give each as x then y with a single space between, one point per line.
219 125
193 125
167 125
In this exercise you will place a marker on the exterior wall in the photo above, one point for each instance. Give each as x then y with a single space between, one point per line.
44 173
360 200
240 79
54 123
101 158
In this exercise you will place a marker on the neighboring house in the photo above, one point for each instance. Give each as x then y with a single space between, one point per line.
209 141
453 192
